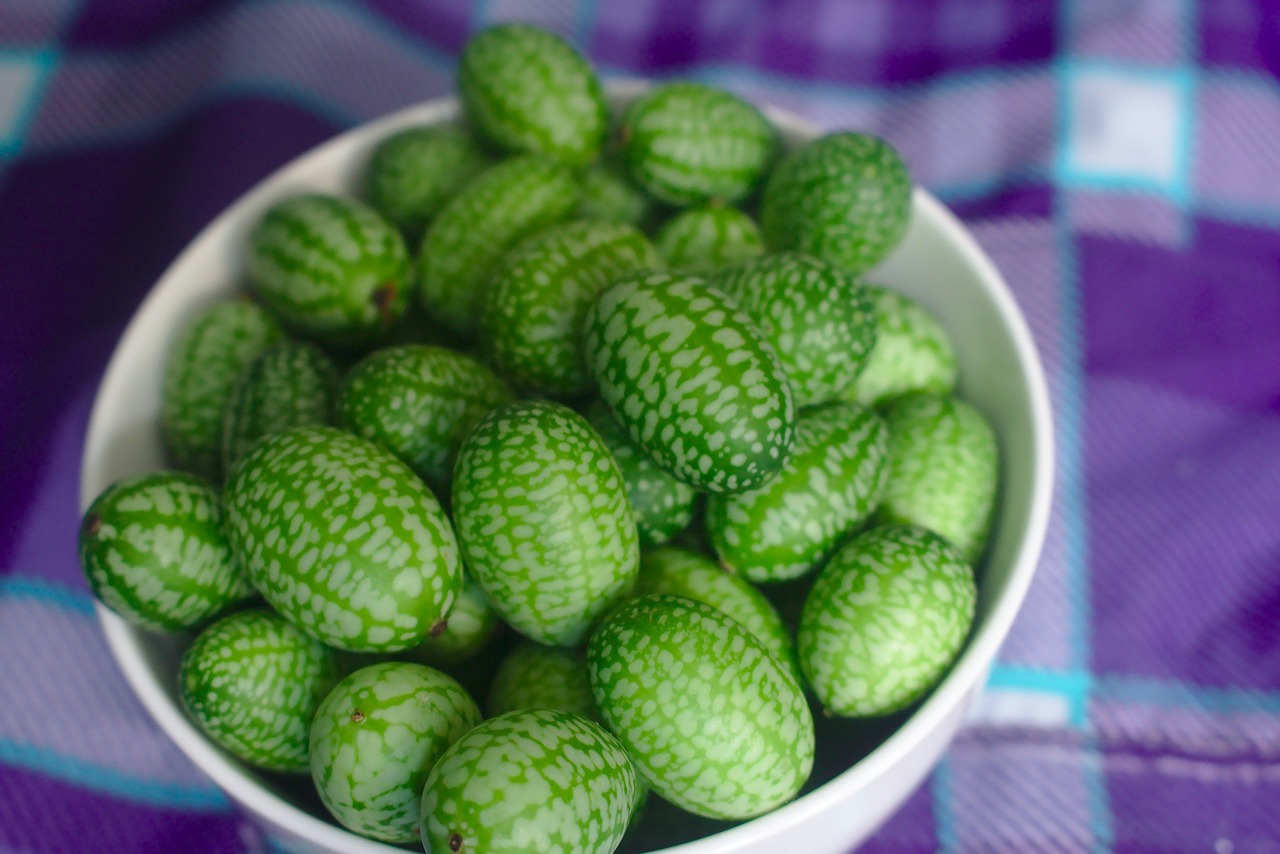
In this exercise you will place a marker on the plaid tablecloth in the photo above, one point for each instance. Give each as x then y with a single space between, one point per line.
1119 160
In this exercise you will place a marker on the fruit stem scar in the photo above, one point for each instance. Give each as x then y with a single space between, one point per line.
382 297
455 842
438 627
357 717
93 524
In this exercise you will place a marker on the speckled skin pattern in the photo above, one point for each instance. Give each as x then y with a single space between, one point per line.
343 539
375 738
472 624
693 380
608 193
662 504
533 676
681 572
535 780
252 683
543 519
687 143
944 469
818 318
709 238
713 721
912 352
419 402
414 172
533 308
154 551
204 365
528 91
832 482
291 384
332 269
514 198
885 618
844 197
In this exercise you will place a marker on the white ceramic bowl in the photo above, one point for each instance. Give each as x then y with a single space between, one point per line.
938 264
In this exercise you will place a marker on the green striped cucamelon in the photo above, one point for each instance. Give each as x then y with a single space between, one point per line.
533 781
154 551
252 682
944 468
816 316
832 482
543 520
844 197
692 379
203 368
883 620
714 722
471 233
913 352
332 268
707 238
687 143
343 539
533 676
532 310
528 91
292 384
419 402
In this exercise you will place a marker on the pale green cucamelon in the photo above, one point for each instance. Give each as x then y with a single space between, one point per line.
709 238
533 676
913 352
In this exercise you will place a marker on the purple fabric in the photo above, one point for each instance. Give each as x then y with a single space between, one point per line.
1136 703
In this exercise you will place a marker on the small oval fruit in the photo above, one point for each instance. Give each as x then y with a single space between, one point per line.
817 317
332 269
944 469
375 738
884 619
514 198
844 197
913 352
289 385
687 143
713 721
535 780
154 551
832 483
533 676
692 379
532 311
204 365
419 402
252 682
543 520
708 238
608 193
343 539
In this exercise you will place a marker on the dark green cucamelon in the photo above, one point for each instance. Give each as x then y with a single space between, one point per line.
913 352
533 676
707 238
608 193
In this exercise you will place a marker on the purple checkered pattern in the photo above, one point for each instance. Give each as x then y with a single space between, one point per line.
1119 162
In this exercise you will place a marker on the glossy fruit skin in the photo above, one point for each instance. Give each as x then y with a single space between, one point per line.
692 379
944 469
844 198
374 739
687 143
154 550
533 676
543 520
204 366
817 317
712 720
708 238
913 352
528 91
534 780
884 619
412 173
331 268
291 384
533 309
343 539
506 202
663 505
419 402
252 683
832 483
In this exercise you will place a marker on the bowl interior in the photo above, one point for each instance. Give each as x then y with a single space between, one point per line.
937 264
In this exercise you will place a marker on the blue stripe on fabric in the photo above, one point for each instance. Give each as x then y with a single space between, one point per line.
944 816
1073 685
44 61
1163 692
21 586
584 25
111 782
979 187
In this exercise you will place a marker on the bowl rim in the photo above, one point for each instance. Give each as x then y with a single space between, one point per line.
965 675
